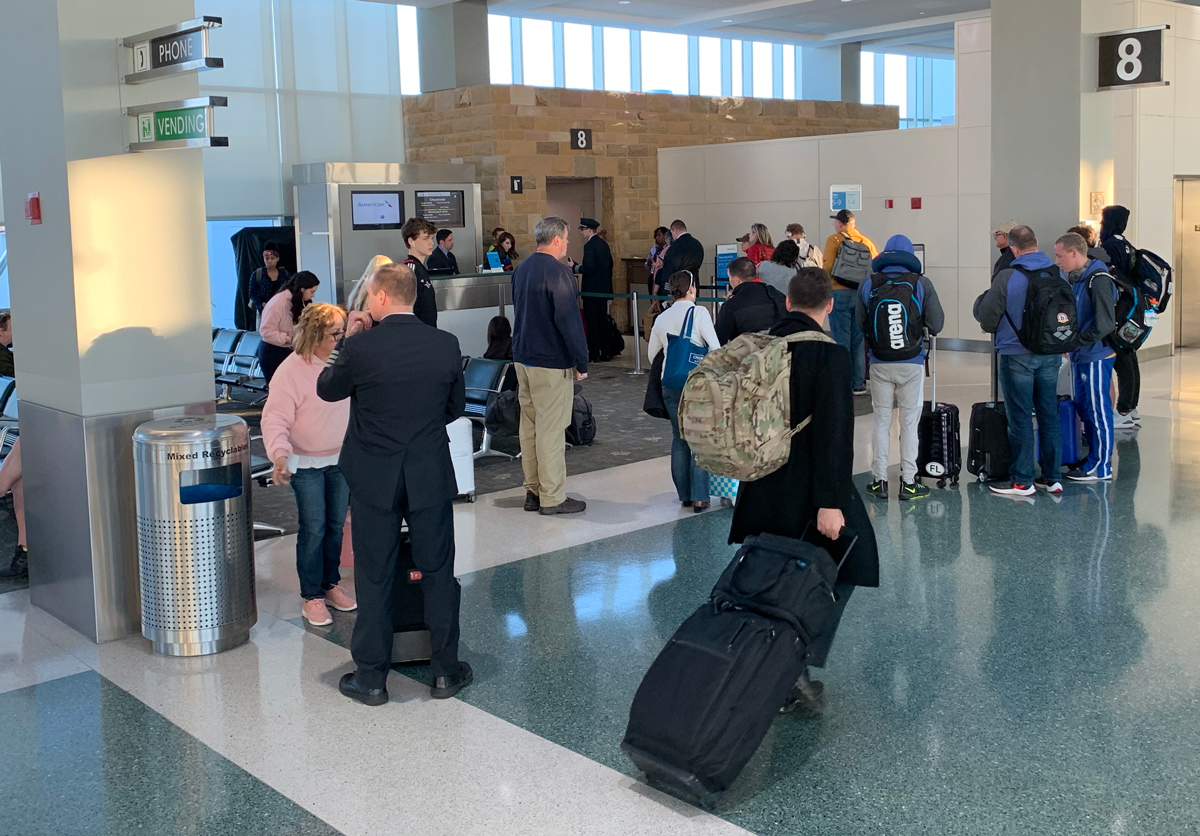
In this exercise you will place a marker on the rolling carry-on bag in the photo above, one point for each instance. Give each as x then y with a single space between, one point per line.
1071 446
410 636
939 443
462 457
988 453
709 698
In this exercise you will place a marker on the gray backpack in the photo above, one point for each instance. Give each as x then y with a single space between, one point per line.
852 266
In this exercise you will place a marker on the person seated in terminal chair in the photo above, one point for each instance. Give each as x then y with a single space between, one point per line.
499 337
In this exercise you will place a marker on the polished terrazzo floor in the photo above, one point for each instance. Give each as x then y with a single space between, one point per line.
1026 667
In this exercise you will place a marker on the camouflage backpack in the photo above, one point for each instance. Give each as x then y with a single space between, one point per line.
736 408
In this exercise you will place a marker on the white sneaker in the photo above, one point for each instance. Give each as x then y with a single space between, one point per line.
1124 422
1137 419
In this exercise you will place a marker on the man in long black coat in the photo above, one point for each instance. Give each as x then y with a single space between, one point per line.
597 271
685 253
815 485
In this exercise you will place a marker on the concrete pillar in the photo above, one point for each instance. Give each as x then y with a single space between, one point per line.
1051 130
454 45
109 294
821 73
851 72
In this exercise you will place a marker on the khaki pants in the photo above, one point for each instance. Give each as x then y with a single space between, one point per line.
546 397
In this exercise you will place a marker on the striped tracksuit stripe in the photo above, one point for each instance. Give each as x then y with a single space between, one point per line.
1092 387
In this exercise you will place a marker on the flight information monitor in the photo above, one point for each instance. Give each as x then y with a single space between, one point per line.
442 209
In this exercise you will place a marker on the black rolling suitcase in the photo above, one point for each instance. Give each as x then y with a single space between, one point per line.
410 636
708 700
939 443
988 453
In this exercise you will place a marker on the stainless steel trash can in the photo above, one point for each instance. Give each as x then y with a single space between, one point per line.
195 533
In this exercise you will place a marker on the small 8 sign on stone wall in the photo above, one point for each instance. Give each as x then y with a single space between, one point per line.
581 139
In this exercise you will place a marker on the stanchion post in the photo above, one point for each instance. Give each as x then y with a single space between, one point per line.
637 336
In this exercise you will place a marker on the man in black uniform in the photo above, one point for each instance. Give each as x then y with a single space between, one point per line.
418 238
442 261
685 253
405 383
597 270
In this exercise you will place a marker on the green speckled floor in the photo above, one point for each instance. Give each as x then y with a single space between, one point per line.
1026 667
78 756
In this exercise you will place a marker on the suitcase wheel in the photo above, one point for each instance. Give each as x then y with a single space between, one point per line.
983 477
471 496
941 483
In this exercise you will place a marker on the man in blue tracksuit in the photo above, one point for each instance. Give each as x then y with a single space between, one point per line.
1029 381
1095 303
899 382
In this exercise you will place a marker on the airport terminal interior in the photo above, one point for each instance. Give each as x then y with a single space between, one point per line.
1029 662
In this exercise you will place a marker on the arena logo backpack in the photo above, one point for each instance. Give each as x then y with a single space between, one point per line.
852 266
735 412
895 317
1050 321
1136 315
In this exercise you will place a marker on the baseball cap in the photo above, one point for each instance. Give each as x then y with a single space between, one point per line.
744 238
844 216
1004 228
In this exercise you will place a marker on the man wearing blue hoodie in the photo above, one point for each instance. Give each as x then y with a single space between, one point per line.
1095 302
898 287
1029 381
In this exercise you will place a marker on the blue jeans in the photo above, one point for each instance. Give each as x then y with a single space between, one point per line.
1030 383
322 498
846 332
691 480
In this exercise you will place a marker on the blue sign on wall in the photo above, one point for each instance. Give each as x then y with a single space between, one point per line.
725 254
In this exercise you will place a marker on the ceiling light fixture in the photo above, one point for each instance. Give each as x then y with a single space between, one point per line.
624 2
727 20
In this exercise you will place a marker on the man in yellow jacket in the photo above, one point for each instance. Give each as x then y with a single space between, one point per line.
843 325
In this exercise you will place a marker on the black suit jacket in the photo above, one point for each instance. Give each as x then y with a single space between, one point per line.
405 384
442 264
597 267
685 253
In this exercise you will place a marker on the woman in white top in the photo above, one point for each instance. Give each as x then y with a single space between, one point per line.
691 481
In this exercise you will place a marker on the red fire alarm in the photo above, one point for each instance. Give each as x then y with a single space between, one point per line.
916 203
889 204
33 208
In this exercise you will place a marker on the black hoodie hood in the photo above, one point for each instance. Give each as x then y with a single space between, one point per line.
1113 221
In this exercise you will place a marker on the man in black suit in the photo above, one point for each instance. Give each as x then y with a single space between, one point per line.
685 253
405 384
597 270
442 261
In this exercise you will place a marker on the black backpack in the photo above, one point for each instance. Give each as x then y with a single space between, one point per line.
1050 322
582 430
611 341
895 318
1150 273
1136 314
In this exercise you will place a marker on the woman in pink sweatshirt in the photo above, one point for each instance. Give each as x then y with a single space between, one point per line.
303 435
279 320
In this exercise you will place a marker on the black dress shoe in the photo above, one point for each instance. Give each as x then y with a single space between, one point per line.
445 687
532 503
367 696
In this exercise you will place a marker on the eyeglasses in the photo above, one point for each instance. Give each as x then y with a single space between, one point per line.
337 334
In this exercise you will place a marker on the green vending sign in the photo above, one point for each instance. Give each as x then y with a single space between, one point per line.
181 123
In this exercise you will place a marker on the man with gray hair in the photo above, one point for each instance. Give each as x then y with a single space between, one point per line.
550 353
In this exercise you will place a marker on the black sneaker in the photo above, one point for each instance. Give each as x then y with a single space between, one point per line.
568 506
18 570
878 489
532 503
914 491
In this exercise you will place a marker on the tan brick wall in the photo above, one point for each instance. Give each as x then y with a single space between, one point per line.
505 130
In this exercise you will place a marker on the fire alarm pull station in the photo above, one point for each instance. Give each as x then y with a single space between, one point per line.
33 208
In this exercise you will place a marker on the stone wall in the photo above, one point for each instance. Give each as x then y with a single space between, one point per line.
514 130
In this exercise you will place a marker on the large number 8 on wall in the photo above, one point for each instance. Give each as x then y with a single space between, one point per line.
1130 66
581 139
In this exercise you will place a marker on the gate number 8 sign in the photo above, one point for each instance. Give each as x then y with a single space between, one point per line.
581 139
1131 58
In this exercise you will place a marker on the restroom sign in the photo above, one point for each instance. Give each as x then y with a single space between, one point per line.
1131 58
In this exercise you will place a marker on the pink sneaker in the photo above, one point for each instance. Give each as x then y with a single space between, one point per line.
316 613
340 600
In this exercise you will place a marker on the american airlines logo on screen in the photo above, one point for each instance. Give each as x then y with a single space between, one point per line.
379 206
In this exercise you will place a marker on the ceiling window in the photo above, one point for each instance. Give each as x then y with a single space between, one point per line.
616 60
710 67
410 62
664 63
577 56
737 68
764 73
895 82
537 52
789 71
867 78
500 48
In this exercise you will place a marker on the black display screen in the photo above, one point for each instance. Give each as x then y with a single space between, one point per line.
442 208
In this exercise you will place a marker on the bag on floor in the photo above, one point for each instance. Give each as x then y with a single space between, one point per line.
735 412
503 416
582 431
612 343
939 448
895 329
1136 315
989 455
1071 447
709 698
852 265
1050 320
